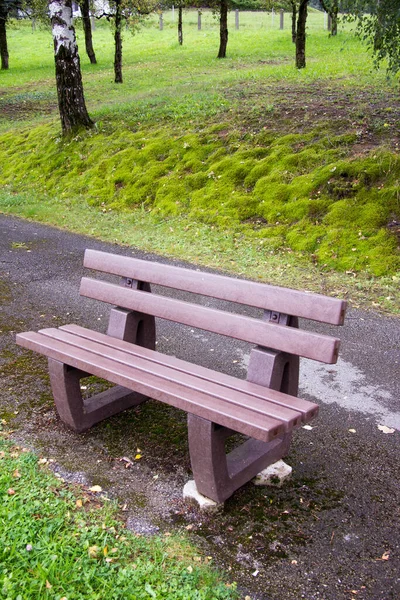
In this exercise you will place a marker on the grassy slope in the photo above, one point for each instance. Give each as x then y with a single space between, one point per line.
244 164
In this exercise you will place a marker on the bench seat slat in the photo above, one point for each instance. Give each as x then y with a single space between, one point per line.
288 339
260 295
237 418
290 417
308 410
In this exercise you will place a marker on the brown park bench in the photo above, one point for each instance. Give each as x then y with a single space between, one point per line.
264 407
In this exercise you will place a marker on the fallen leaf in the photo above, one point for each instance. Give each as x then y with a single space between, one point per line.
385 429
48 585
42 461
386 555
96 488
93 551
190 569
10 492
352 431
16 474
79 503
138 456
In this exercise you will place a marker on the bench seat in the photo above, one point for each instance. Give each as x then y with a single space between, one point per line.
242 406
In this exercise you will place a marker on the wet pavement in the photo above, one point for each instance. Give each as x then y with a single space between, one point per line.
331 533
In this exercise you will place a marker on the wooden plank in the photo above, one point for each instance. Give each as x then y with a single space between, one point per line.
290 417
260 295
308 410
240 419
269 335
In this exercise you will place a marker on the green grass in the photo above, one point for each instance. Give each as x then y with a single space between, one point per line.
281 174
58 541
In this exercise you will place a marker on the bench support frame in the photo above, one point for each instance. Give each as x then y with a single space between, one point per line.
217 474
81 414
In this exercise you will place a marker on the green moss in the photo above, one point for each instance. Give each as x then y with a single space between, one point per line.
304 191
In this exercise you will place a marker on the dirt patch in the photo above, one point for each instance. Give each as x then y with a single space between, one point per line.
23 105
371 114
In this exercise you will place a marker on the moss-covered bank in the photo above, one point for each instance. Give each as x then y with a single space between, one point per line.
302 192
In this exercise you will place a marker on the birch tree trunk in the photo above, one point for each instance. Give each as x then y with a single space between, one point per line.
294 17
71 101
301 35
87 28
118 42
3 44
223 28
180 29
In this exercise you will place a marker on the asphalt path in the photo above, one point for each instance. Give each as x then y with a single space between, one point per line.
331 533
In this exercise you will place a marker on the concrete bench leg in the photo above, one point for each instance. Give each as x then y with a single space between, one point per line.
217 474
80 414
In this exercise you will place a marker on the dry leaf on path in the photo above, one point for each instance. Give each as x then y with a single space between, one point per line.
386 429
96 488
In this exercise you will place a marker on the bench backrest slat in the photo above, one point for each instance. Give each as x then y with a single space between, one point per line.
288 339
259 295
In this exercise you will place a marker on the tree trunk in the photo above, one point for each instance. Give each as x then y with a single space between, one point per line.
71 101
294 17
223 28
332 8
180 30
334 16
87 28
301 35
118 43
3 44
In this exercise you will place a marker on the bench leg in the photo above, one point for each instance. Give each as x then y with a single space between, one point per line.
217 474
80 414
